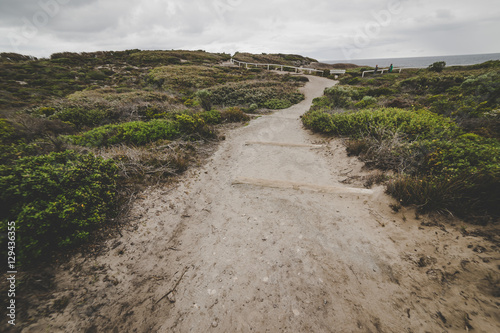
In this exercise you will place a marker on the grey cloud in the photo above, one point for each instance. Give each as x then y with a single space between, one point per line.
318 29
13 11
444 14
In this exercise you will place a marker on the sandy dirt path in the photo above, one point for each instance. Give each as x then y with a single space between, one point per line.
276 234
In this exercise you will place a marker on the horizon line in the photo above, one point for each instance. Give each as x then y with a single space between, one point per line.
433 56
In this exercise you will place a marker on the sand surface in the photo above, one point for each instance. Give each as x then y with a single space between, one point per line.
276 233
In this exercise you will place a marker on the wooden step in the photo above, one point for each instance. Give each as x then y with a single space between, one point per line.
282 144
300 186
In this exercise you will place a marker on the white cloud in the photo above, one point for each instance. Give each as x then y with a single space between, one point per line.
323 29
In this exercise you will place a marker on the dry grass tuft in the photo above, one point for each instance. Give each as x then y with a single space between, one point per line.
150 165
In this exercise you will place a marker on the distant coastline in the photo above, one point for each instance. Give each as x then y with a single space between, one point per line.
422 62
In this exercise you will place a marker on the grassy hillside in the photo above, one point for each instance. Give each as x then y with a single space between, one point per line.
81 132
438 130
26 81
280 59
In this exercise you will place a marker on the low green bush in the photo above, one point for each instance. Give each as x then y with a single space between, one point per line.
484 88
204 97
56 200
412 124
381 91
433 83
191 124
6 131
256 92
474 195
142 133
234 114
276 104
8 148
366 102
253 107
465 154
322 103
344 97
295 78
97 75
441 104
154 111
212 117
135 133
427 193
438 66
189 78
341 96
82 117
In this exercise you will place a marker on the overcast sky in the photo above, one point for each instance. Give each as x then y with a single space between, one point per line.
322 29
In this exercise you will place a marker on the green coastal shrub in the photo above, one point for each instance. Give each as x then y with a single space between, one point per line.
46 111
191 124
438 66
431 83
141 133
461 174
212 117
253 107
204 97
8 148
257 92
475 194
295 78
344 97
135 133
322 103
412 124
465 154
56 200
340 96
276 104
366 102
381 91
154 111
485 88
6 131
319 121
82 117
97 75
191 78
233 115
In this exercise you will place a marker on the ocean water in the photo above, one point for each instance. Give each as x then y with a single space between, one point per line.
422 62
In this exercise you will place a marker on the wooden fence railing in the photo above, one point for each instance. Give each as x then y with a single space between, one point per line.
382 70
275 66
303 69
